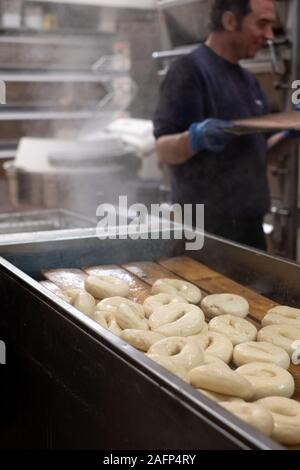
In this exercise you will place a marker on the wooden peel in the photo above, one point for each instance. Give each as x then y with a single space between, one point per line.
269 122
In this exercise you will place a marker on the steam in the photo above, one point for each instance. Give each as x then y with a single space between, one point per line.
97 61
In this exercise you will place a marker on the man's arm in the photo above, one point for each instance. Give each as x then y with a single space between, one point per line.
279 145
174 149
208 135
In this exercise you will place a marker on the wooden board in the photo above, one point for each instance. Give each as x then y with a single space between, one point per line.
213 282
148 271
66 278
269 122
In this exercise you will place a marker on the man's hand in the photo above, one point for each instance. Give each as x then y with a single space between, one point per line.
292 134
210 135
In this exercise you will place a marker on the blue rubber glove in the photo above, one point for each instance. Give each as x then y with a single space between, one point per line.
210 135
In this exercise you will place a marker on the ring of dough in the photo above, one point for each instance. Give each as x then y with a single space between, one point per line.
128 319
209 359
217 345
282 314
71 292
252 413
286 416
106 318
63 296
225 304
141 339
236 329
168 363
260 352
113 302
106 286
153 302
221 380
183 351
178 319
84 302
202 332
189 291
219 397
268 379
280 335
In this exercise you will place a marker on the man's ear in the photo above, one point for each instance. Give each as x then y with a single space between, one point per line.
229 21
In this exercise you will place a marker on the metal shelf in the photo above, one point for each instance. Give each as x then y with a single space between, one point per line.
64 38
22 115
45 76
174 3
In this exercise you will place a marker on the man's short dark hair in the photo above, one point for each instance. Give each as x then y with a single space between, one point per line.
240 8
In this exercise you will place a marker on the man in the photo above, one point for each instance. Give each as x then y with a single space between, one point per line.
202 94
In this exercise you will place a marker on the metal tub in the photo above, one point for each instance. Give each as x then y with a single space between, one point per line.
42 220
41 224
72 384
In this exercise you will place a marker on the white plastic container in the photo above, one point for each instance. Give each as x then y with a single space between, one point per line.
33 17
11 13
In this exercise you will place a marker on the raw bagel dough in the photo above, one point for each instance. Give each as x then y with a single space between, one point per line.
217 345
153 302
112 302
184 352
84 302
282 315
286 416
268 379
177 319
127 317
280 335
219 397
209 359
253 414
106 318
169 364
260 352
141 339
189 291
236 329
106 286
63 296
203 332
221 380
225 304
71 292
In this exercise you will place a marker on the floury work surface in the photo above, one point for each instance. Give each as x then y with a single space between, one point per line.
72 371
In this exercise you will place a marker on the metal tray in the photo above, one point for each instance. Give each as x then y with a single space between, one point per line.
83 387
42 220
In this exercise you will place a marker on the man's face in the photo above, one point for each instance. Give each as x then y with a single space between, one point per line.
256 29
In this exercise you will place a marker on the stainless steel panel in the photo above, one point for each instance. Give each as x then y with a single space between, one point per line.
42 220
